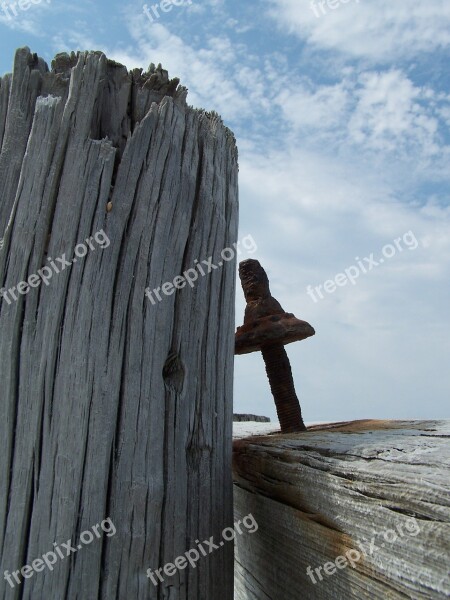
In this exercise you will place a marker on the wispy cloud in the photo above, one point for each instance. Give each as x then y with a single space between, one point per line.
379 30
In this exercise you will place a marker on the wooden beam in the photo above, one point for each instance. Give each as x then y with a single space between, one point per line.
365 505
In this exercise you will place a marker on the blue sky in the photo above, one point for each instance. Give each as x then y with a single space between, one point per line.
343 127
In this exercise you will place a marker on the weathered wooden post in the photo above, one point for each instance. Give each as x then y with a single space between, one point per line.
116 398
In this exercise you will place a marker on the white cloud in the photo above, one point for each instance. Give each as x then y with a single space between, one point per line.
374 29
320 108
389 115
376 114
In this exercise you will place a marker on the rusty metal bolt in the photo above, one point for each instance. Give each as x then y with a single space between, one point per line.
268 328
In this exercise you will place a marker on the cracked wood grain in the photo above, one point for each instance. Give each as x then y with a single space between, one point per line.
111 406
316 496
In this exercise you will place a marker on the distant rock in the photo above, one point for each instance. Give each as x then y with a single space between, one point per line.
256 418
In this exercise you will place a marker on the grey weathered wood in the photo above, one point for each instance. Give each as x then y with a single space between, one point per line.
5 83
315 495
111 406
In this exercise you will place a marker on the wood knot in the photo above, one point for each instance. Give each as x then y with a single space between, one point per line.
173 373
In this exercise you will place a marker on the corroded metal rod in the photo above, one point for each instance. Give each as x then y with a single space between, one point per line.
267 327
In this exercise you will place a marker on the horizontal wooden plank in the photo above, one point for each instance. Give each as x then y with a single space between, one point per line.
375 492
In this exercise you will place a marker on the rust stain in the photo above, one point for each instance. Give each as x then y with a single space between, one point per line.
360 426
